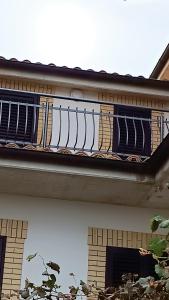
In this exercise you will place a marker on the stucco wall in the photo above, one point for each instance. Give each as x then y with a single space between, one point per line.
92 126
59 229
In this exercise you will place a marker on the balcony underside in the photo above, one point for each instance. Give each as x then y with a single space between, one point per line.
65 177
84 187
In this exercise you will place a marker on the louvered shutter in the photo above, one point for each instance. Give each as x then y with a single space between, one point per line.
2 257
126 260
139 133
23 131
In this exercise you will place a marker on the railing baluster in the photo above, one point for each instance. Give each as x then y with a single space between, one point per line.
9 118
50 139
127 134
143 134
26 122
68 124
93 140
46 124
150 126
135 133
161 128
101 122
60 126
110 142
119 133
77 128
1 113
17 121
166 122
42 131
34 121
85 130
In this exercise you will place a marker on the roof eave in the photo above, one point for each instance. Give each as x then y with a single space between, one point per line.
160 64
83 74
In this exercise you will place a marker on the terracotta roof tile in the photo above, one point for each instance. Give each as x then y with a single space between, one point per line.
13 59
65 151
88 73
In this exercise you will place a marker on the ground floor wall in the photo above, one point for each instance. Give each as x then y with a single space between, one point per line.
59 229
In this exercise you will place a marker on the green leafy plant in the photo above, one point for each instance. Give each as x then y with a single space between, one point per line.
49 288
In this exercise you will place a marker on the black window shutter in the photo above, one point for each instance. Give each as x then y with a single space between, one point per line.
126 260
142 130
6 110
2 257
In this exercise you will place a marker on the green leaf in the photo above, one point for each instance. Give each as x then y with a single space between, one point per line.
73 291
164 224
49 283
155 222
144 281
159 271
167 285
54 266
24 294
41 292
53 278
157 246
149 290
31 256
86 289
166 273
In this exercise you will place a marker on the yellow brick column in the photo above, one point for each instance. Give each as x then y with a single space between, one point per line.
155 129
41 120
16 233
106 127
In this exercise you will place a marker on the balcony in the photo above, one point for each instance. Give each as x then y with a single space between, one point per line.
80 127
74 149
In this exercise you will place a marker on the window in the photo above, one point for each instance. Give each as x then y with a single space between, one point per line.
126 260
132 136
2 257
18 123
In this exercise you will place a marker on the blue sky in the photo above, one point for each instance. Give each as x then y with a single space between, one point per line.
120 36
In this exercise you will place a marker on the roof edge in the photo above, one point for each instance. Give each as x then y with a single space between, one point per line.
160 64
81 73
88 74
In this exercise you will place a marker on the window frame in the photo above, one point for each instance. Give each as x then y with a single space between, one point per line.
22 97
129 260
2 259
125 110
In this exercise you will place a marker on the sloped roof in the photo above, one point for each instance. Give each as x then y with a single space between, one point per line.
52 66
81 73
160 64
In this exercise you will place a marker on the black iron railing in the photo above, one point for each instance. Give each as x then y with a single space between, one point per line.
79 125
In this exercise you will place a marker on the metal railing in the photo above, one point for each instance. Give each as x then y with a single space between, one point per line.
80 126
